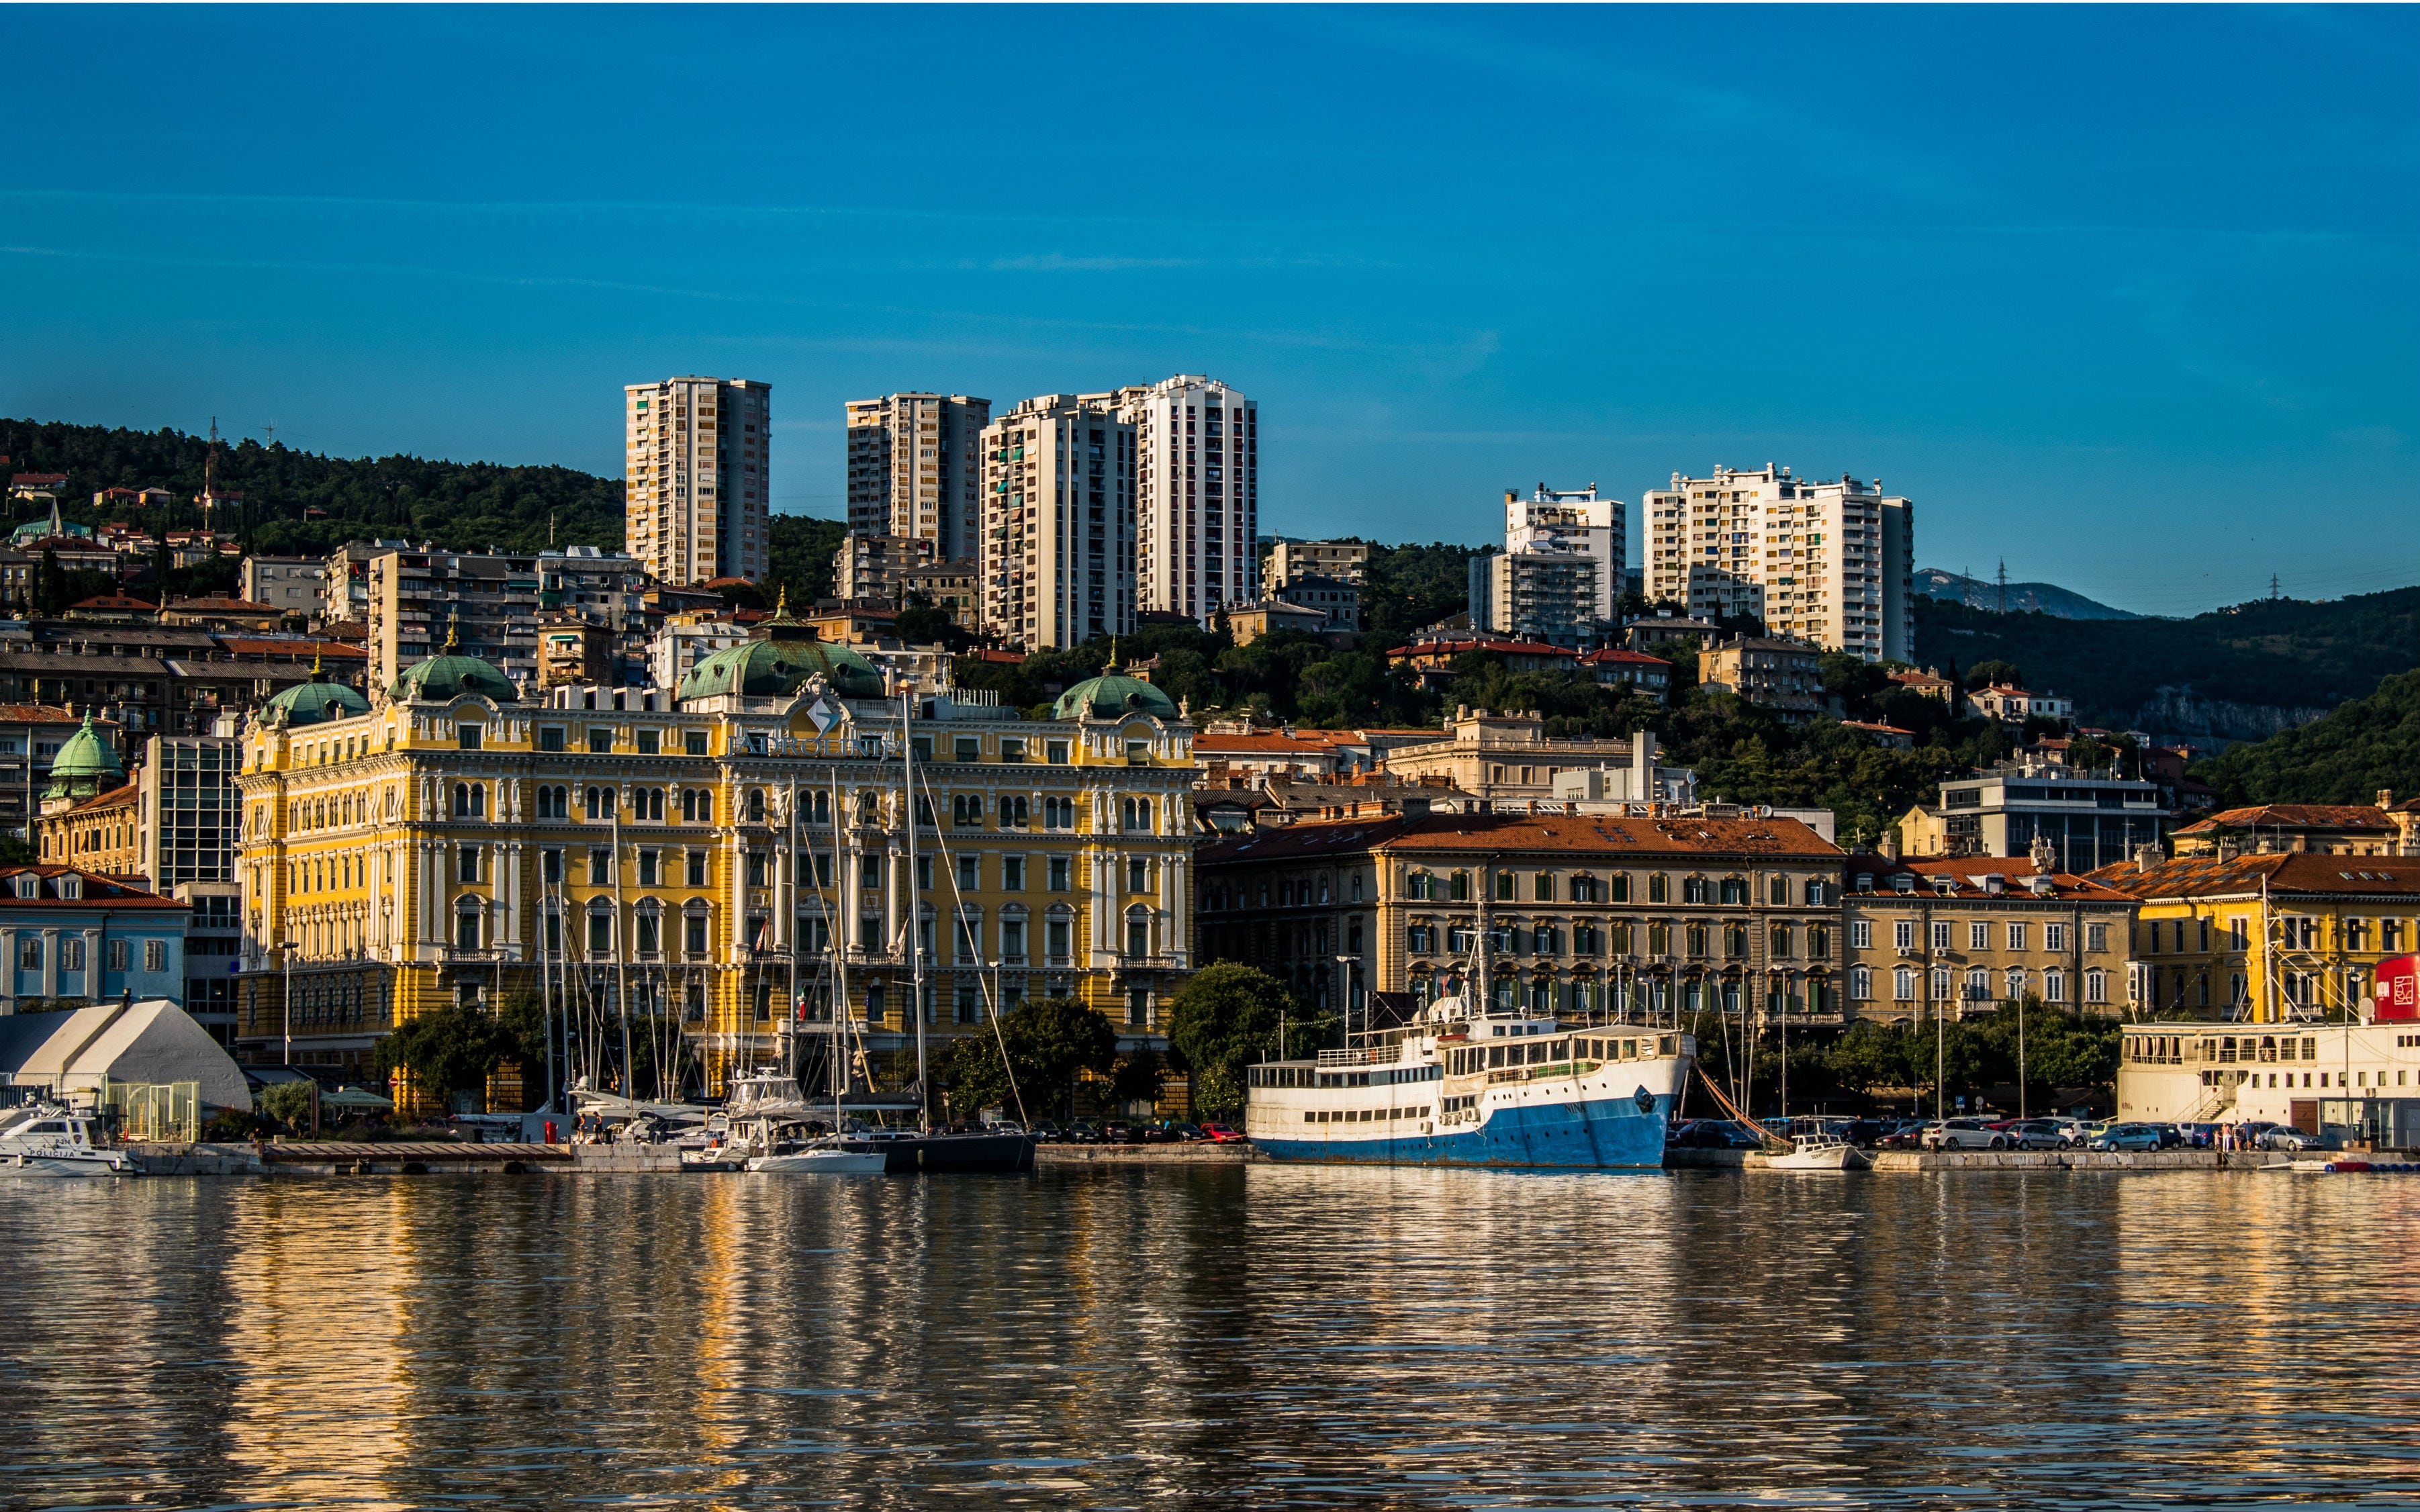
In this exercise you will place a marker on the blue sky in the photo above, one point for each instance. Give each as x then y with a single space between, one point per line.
2125 296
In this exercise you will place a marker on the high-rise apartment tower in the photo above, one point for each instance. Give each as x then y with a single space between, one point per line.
1830 562
1197 495
696 463
1057 554
915 469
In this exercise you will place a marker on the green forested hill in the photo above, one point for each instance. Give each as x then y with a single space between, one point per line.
2242 673
2364 746
467 507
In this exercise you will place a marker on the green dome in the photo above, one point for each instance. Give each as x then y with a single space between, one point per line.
445 677
85 765
778 663
314 703
1110 698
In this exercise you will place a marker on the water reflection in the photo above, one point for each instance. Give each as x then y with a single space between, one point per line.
1244 1337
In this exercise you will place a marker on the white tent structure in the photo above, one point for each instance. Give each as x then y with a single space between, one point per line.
80 1052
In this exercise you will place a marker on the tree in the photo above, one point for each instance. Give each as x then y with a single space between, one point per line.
1995 674
1228 1017
1050 1040
50 585
449 1049
289 1102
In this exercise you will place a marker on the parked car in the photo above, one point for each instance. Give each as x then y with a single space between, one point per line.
1965 1133
2287 1137
1046 1132
1907 1135
2127 1137
1713 1134
2036 1133
1178 1132
2171 1137
1866 1133
1220 1134
1083 1131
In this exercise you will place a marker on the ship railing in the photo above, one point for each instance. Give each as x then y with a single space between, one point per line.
1385 1056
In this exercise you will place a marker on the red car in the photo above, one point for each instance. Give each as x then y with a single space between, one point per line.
1219 1133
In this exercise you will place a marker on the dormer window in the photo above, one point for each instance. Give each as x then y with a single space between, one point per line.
29 883
70 885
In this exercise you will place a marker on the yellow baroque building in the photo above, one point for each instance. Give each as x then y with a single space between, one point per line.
714 859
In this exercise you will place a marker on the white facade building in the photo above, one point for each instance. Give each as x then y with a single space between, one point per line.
1197 495
1828 561
1573 522
915 469
1056 554
696 468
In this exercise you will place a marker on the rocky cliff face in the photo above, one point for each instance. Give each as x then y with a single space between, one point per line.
2181 711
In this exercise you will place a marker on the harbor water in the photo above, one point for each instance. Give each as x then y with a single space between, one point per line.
1230 1337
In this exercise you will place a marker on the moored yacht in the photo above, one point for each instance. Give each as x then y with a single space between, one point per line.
44 1139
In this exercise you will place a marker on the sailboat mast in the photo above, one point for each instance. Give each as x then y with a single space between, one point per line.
621 974
915 920
1486 938
841 909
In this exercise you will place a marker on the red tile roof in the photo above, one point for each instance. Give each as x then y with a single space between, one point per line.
298 650
38 714
1530 834
112 601
2016 868
2295 816
1506 648
1258 746
217 604
36 480
97 887
1627 658
2285 873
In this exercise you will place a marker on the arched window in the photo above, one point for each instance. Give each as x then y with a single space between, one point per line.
1861 984
1137 931
470 800
466 926
2054 985
2016 983
821 809
1904 984
649 930
600 930
1979 985
756 806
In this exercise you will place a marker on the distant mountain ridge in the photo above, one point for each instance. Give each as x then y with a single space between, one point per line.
2023 598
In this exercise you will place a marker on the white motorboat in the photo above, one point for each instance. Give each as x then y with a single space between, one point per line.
823 1157
44 1139
1819 1153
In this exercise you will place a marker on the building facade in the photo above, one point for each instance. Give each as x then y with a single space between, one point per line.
704 854
697 464
1773 674
1509 758
290 585
1056 564
70 936
2091 819
1574 522
1197 495
1545 596
1576 914
488 603
1948 940
1829 562
916 472
2265 938
2323 828
1344 560
1337 601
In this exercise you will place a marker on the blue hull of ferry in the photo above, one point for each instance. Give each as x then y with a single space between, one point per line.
1607 1134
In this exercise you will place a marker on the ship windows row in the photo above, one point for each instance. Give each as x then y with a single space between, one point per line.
1361 1114
1477 1058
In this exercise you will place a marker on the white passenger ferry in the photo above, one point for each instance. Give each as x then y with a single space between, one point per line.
1454 1088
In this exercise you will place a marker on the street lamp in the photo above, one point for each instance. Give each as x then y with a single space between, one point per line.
1346 961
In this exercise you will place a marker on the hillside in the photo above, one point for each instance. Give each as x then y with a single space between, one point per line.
2347 757
2020 598
2239 673
468 506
